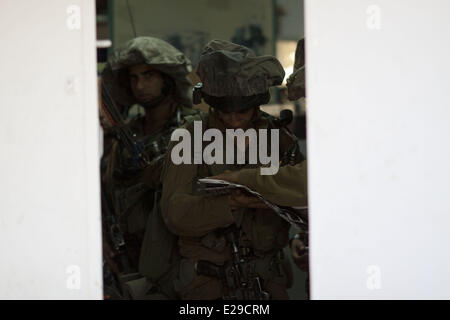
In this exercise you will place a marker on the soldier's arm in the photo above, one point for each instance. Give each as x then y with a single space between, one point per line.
185 213
288 187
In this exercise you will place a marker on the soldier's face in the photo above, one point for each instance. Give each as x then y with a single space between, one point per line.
146 83
236 120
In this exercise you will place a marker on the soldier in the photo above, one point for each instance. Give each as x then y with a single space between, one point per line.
288 187
219 235
153 74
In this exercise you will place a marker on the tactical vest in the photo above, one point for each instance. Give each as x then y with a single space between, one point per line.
266 234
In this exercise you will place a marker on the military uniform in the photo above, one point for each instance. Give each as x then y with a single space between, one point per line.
200 220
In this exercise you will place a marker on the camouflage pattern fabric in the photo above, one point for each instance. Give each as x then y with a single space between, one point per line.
228 69
154 52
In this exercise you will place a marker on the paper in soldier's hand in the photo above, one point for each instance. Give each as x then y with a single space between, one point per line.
295 216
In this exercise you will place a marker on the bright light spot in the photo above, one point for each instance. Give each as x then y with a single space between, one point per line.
292 56
288 71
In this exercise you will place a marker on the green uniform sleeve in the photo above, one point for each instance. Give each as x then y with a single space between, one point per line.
288 187
184 213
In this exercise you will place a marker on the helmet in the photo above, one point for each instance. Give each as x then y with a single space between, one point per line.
152 51
233 78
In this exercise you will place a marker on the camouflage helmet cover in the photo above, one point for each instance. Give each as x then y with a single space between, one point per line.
152 51
228 69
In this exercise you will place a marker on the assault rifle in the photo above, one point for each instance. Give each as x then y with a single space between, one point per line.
124 134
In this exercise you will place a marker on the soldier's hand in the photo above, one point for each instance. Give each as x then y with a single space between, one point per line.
230 176
237 199
300 254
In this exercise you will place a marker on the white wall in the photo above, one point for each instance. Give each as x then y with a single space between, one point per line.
378 76
50 233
